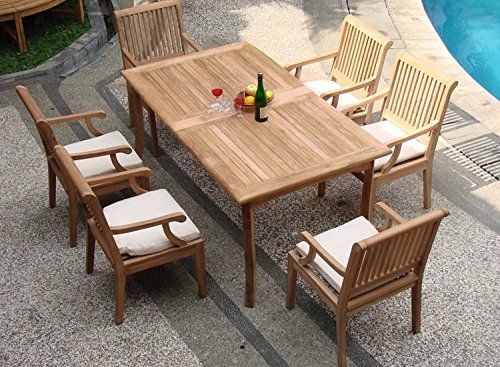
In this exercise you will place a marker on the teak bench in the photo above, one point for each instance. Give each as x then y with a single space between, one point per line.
17 9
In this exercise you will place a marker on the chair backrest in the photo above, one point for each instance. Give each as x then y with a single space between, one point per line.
90 203
45 131
391 254
418 94
151 32
361 54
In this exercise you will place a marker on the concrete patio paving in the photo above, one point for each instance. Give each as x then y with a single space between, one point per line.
52 313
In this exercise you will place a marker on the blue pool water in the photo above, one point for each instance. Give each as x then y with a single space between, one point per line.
471 31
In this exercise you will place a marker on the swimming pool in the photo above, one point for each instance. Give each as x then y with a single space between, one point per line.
471 31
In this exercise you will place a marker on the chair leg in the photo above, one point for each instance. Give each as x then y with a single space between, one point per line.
120 281
321 189
52 187
90 251
292 284
427 187
199 263
341 340
129 98
416 308
73 219
154 132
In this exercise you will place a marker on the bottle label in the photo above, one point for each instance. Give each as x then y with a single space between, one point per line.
263 112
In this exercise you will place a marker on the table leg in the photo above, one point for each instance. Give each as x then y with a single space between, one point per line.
80 15
368 198
21 39
137 120
321 189
250 260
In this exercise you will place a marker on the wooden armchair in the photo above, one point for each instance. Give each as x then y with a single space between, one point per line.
412 113
150 33
364 265
356 65
137 233
101 155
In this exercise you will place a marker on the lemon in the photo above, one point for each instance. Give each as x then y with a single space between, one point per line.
249 100
269 94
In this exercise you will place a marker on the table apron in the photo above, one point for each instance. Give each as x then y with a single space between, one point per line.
264 199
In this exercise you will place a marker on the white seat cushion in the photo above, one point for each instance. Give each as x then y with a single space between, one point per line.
321 86
101 165
384 131
149 205
338 243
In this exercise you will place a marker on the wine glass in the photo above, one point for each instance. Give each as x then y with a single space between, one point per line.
216 106
239 101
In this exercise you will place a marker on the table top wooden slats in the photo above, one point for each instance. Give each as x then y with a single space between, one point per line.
304 140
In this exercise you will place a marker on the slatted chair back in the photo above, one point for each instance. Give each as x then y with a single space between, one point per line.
392 254
361 54
45 131
151 32
91 205
418 94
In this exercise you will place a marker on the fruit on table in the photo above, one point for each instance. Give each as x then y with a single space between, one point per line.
249 100
251 89
269 94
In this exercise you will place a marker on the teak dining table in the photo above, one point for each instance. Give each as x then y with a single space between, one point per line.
305 141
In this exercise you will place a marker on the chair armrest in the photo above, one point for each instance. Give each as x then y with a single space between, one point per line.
130 174
87 116
316 248
390 215
102 152
132 62
421 131
349 109
111 151
191 42
164 221
299 64
347 89
398 144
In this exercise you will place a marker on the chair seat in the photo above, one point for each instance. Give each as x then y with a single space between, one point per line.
321 86
101 165
384 131
338 243
147 206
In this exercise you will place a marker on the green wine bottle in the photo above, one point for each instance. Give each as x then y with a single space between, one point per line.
260 100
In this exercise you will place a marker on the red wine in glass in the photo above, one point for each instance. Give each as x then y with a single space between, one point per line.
239 102
215 106
217 92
